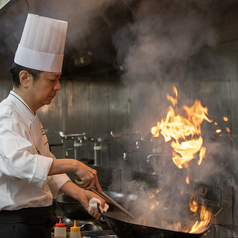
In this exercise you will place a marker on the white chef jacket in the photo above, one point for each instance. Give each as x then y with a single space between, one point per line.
25 158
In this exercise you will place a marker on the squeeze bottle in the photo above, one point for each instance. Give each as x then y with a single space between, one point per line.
75 231
60 230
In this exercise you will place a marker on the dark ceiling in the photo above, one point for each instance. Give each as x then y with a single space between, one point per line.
90 29
92 24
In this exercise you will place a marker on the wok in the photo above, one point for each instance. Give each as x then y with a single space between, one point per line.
123 227
71 208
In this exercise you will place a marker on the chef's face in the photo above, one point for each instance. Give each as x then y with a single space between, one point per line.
44 89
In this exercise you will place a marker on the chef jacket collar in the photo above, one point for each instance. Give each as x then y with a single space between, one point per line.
23 102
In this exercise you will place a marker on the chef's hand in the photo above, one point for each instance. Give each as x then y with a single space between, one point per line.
83 196
86 177
84 200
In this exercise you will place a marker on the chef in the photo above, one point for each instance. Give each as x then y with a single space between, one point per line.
30 176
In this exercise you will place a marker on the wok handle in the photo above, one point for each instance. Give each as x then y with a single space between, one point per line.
110 200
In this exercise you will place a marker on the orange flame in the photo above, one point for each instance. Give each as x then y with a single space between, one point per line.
186 141
225 118
187 180
180 128
153 203
171 99
205 216
193 206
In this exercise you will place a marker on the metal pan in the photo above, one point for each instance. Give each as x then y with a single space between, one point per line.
71 208
111 201
123 227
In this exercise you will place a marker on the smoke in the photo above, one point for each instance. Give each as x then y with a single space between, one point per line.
160 208
170 43
157 49
163 36
82 17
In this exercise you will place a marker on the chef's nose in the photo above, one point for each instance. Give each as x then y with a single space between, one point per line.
57 85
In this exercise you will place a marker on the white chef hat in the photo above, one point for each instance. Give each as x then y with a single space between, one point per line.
42 44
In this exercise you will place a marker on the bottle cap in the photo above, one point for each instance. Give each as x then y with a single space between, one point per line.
75 227
60 224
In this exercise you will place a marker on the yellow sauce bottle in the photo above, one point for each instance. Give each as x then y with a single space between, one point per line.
75 231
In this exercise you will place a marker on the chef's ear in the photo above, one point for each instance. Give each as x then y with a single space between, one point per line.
24 78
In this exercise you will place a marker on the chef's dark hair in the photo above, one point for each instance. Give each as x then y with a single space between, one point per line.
16 69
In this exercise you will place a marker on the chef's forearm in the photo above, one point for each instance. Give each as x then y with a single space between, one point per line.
60 166
86 176
72 190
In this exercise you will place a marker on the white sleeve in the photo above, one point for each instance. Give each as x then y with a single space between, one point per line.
57 181
18 156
